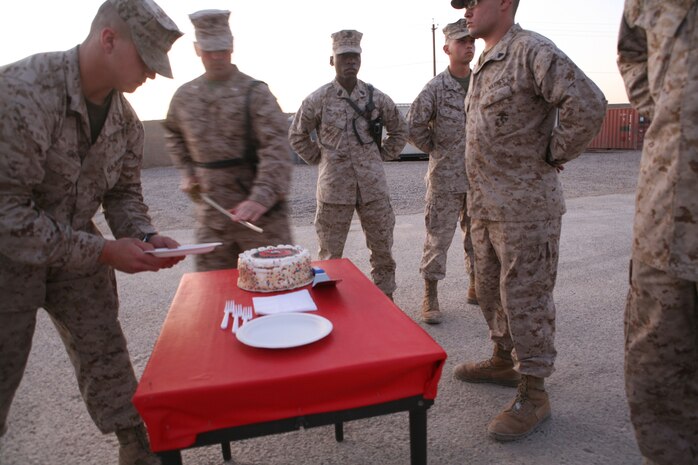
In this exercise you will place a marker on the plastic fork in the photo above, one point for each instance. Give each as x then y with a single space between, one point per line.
229 306
246 314
237 314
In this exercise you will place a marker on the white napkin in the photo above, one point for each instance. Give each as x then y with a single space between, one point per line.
299 301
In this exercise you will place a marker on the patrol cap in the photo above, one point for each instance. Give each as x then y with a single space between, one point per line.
152 32
346 41
457 30
212 30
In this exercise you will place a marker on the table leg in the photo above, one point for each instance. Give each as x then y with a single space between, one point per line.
225 448
418 436
339 431
171 457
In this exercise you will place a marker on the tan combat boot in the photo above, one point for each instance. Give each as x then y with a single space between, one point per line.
431 314
529 409
134 448
498 369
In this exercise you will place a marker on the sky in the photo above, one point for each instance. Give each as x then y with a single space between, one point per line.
287 43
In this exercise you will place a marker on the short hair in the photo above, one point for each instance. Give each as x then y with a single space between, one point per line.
108 16
516 5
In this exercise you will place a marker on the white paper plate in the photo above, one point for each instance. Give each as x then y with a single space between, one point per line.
284 330
192 249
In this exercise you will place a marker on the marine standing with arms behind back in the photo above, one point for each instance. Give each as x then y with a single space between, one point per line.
226 134
350 149
530 110
658 58
70 143
436 123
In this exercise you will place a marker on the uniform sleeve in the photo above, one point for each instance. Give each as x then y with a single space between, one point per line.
632 64
175 142
124 208
419 120
305 121
27 234
395 127
581 104
274 170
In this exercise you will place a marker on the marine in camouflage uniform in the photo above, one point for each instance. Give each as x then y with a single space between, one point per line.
210 124
530 110
351 175
69 145
436 123
658 58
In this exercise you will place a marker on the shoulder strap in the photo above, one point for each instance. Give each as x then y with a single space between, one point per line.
250 154
366 113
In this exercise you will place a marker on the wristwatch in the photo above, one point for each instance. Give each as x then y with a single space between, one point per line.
147 236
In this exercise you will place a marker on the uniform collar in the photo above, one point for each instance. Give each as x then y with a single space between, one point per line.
499 51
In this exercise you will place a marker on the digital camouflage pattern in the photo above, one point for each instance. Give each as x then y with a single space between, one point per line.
516 266
349 168
530 109
332 222
658 59
513 139
442 212
52 183
237 238
436 125
206 123
351 171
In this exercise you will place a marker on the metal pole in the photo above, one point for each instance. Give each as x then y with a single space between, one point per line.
433 45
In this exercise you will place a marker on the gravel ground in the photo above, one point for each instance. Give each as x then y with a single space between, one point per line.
592 174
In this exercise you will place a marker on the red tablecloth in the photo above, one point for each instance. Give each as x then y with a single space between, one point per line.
201 378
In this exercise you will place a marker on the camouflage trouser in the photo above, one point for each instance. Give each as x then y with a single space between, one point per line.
661 364
237 238
332 222
516 270
441 214
84 310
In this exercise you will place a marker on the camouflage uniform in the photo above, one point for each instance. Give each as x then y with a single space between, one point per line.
206 123
351 174
658 58
436 122
515 198
52 182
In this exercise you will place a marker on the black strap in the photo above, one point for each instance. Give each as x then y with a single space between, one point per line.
370 106
249 155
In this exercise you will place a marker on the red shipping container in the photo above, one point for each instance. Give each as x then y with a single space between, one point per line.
622 129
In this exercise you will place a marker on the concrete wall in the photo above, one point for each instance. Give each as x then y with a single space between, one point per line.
154 153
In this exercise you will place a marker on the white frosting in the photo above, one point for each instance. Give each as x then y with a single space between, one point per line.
274 268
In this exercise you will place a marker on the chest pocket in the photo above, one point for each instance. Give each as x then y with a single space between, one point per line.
333 126
496 96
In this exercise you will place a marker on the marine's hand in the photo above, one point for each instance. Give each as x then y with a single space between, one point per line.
128 255
248 210
190 185
159 242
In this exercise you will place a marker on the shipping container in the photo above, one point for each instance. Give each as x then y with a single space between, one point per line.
622 129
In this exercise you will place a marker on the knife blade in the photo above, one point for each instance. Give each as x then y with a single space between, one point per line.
247 224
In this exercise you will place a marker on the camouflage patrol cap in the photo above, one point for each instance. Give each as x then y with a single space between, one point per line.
152 32
212 30
457 30
346 41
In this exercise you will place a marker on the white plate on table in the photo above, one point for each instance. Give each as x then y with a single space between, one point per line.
191 249
284 330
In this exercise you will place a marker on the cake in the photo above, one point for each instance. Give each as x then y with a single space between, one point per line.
274 268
